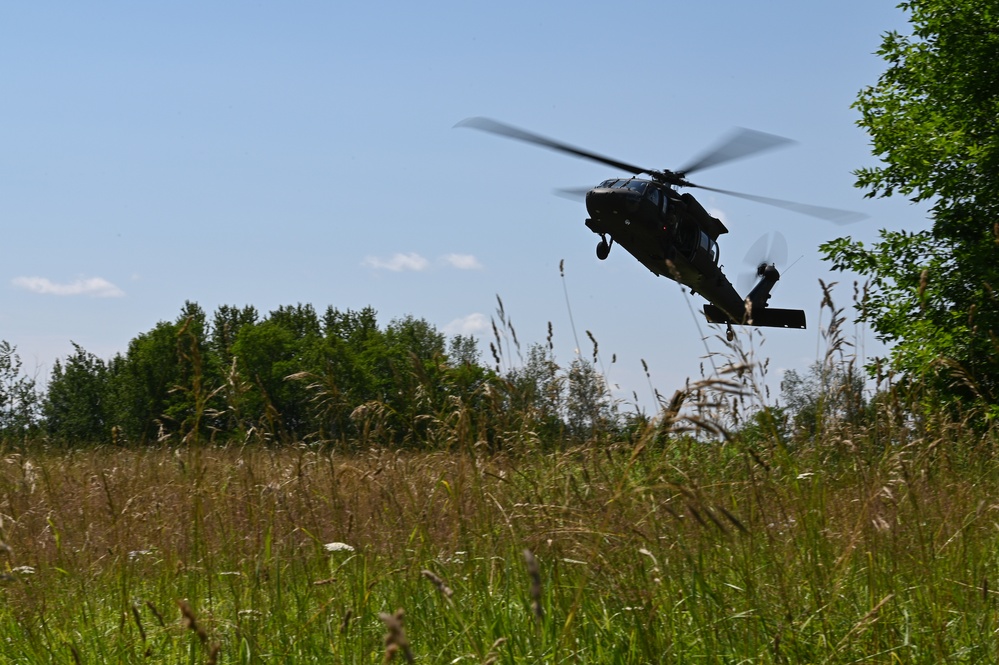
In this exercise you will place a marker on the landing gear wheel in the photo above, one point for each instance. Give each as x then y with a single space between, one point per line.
603 249
729 334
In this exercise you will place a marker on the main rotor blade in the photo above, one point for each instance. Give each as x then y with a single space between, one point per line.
495 127
573 193
740 143
834 215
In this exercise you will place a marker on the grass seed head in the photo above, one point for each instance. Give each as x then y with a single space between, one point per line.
445 590
191 621
395 640
534 570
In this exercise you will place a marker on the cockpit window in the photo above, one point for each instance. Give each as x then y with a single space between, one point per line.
636 185
653 195
629 183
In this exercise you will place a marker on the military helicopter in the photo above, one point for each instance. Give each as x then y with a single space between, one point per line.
670 233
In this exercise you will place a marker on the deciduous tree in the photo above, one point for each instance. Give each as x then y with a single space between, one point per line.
19 399
76 408
933 118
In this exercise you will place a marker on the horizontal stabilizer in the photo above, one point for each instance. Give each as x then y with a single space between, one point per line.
766 318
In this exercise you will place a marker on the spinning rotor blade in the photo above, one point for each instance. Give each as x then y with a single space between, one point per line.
494 127
769 249
740 143
573 193
834 215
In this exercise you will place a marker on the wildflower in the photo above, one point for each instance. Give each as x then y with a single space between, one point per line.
338 547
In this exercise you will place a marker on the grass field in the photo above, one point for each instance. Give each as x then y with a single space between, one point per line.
862 547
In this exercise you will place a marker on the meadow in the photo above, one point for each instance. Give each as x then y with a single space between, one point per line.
713 532
871 544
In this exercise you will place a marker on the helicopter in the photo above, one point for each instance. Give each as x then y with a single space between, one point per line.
671 233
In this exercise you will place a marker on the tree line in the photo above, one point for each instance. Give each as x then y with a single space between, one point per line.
295 375
343 379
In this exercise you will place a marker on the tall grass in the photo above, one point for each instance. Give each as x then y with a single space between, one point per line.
667 551
695 539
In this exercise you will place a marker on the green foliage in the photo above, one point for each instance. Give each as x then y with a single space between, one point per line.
19 398
932 121
162 384
76 406
266 354
588 405
824 396
537 390
339 378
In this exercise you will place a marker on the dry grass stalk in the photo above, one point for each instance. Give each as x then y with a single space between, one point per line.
534 570
395 640
863 624
345 624
445 590
138 622
493 655
156 613
734 520
191 621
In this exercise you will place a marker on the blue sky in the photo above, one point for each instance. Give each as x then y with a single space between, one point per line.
270 154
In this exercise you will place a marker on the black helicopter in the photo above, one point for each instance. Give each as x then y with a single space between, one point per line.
670 233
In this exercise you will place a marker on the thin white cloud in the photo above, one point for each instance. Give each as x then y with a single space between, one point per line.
473 324
398 263
463 261
95 287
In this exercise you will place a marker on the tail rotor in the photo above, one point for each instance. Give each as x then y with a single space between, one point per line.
768 252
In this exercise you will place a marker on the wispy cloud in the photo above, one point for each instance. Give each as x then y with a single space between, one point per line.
473 324
463 261
95 287
398 263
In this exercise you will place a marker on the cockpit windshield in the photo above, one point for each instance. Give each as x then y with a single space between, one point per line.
630 183
634 185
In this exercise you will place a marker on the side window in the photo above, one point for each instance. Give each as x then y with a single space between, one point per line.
653 195
705 242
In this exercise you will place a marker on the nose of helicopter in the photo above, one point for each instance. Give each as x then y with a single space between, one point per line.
603 202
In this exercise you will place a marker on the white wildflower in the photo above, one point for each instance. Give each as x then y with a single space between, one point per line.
338 547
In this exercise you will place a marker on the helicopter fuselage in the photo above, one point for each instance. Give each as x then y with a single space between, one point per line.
672 235
669 233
